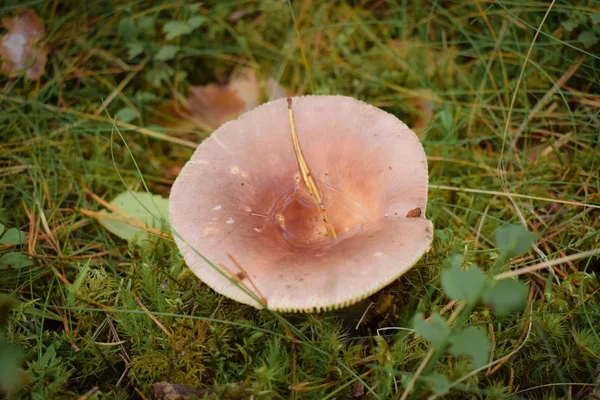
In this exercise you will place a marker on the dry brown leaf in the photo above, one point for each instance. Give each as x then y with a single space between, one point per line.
208 107
20 49
424 108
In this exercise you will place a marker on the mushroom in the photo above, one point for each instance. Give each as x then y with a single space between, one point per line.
241 203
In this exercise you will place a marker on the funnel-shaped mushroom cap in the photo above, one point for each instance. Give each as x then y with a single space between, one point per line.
240 198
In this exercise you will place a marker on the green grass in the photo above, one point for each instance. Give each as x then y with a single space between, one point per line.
483 66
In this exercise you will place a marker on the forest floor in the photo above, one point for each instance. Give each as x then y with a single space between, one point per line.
504 96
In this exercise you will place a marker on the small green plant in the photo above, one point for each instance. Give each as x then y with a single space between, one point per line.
468 287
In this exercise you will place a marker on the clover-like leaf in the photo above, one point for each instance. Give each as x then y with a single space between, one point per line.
166 53
127 28
175 29
472 342
15 260
506 296
587 38
435 331
135 48
10 361
12 236
462 285
142 209
513 239
439 384
126 114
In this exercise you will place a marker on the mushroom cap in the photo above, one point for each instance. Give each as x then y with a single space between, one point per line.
240 203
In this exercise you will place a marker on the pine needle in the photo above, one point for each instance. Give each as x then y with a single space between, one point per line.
307 177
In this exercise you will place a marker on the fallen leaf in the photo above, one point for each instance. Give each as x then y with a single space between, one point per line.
424 110
20 49
208 107
139 211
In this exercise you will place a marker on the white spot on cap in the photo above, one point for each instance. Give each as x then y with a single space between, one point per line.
235 170
379 254
244 174
217 208
207 230
230 220
248 209
259 230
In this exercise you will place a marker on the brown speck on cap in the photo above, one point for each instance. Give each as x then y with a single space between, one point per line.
414 213
366 164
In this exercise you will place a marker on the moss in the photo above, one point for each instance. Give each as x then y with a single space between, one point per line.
465 62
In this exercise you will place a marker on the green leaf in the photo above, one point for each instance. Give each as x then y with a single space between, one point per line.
15 260
446 119
473 342
127 29
10 361
506 296
595 17
435 331
587 38
570 24
146 23
146 208
146 97
13 236
135 49
126 114
514 239
156 76
175 29
439 384
462 285
166 53
196 21
1 229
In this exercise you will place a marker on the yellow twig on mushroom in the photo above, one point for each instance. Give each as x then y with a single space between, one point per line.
307 177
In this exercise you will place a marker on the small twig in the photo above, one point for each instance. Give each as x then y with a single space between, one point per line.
68 332
362 318
139 392
515 195
537 267
247 276
493 346
61 277
480 224
306 176
129 221
152 317
89 393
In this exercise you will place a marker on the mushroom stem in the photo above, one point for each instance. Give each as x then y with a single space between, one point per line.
306 175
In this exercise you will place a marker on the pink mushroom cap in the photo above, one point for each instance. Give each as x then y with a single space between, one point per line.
240 203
